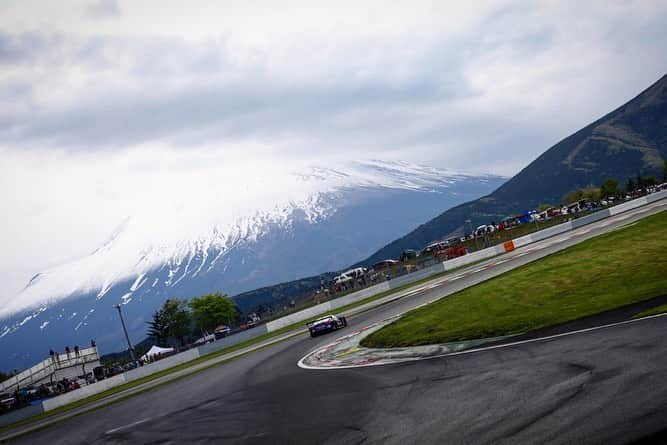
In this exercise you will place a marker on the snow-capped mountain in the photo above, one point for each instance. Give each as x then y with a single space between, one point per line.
274 227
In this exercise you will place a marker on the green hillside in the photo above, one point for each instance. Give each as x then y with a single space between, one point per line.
628 141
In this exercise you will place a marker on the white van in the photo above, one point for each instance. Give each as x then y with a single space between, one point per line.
341 279
355 273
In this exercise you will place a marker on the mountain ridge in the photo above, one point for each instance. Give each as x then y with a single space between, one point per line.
586 157
322 231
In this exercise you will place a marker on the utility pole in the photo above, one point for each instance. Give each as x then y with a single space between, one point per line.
127 337
468 221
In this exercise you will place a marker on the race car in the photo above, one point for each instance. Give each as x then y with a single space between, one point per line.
326 324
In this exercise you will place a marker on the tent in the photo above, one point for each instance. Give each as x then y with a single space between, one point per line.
155 350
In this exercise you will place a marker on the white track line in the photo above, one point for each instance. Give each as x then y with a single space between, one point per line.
301 363
575 234
128 426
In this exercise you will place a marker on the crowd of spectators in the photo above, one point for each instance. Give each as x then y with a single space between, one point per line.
34 394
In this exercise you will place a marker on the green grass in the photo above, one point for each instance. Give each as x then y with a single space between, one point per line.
612 270
653 311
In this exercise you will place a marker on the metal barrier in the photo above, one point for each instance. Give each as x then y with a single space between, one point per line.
49 367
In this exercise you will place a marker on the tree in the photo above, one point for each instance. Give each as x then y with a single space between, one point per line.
609 187
572 197
139 350
649 181
544 207
590 193
212 310
630 185
157 329
177 319
664 171
172 321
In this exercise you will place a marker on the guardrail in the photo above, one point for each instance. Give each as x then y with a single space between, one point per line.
306 314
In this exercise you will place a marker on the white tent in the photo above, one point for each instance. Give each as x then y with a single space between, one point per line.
155 350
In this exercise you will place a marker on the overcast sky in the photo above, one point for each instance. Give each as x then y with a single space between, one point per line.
104 98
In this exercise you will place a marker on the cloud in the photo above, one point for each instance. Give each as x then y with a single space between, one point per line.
481 87
128 93
104 9
22 48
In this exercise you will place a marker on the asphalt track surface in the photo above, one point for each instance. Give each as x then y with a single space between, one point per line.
605 386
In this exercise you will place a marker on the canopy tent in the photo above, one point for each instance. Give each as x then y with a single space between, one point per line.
155 350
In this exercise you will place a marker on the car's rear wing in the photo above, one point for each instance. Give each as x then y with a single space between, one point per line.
319 320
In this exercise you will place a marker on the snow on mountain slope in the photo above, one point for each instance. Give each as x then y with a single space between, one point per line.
176 233
275 226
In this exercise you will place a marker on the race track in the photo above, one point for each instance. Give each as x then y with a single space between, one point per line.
603 386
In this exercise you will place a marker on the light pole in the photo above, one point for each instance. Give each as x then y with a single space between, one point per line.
474 235
127 337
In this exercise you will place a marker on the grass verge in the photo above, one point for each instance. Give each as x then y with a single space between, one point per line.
654 311
612 270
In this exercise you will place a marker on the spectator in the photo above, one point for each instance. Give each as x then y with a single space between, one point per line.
42 391
57 356
92 344
53 355
76 351
67 351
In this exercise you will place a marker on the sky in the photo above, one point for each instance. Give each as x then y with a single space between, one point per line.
112 105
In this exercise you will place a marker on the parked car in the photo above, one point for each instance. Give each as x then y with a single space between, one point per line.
205 339
355 273
99 373
252 321
455 252
481 230
341 279
409 254
126 367
385 264
222 331
434 248
326 324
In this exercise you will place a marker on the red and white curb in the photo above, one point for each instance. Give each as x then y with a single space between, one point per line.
345 352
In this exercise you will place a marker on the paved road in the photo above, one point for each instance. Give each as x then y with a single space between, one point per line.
604 386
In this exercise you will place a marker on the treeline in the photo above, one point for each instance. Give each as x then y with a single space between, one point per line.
178 321
612 188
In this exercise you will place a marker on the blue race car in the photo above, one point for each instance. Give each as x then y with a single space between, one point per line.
326 324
